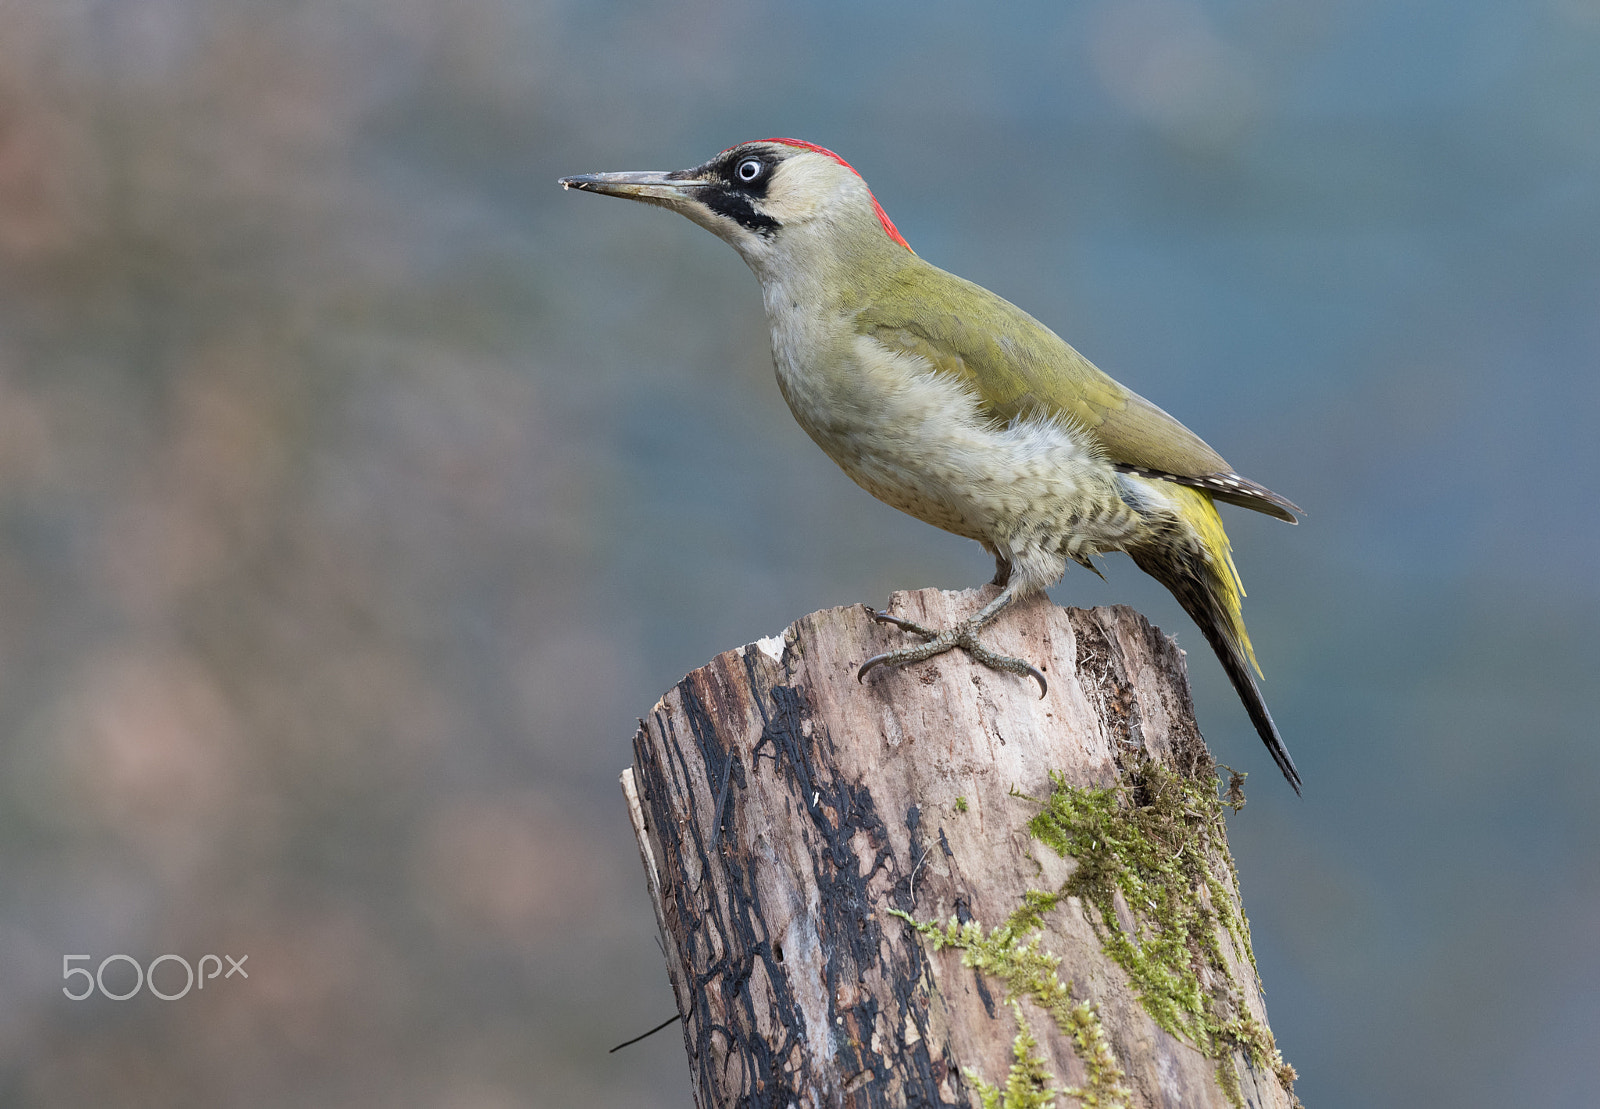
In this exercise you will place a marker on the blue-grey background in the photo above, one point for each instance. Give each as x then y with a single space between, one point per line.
358 488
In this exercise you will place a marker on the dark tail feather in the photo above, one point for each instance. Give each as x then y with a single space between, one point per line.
1244 683
1205 592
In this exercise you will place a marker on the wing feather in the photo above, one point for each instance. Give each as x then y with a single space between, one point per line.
1020 368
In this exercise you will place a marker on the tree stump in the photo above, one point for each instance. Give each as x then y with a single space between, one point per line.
863 888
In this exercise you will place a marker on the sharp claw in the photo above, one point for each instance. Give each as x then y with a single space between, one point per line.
861 675
1038 676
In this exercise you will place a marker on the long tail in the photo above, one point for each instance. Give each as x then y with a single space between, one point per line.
1192 557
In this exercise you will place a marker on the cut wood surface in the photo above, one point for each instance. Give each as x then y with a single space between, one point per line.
784 811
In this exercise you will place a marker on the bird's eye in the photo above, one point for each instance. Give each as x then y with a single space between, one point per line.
750 169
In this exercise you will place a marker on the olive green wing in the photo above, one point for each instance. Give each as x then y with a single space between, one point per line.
1019 368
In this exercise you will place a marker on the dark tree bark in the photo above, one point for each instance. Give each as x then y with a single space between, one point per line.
794 823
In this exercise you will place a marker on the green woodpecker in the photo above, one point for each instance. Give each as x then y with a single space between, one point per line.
951 404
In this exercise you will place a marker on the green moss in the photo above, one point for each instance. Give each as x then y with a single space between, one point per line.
1157 841
1028 1084
961 804
1029 971
1154 847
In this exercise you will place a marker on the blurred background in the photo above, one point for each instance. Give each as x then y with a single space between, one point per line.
358 489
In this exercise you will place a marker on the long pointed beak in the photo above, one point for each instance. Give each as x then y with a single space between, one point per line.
653 187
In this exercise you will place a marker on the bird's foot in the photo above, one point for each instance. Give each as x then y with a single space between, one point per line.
964 635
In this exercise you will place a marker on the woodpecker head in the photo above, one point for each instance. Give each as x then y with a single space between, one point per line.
767 199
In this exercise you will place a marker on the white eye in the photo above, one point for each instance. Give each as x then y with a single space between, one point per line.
749 169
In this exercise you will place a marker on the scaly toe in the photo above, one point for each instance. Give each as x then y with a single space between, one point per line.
1006 662
964 636
884 616
937 645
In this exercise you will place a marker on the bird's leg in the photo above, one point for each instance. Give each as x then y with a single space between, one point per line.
1002 570
963 635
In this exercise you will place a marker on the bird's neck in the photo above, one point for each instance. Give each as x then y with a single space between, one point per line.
826 272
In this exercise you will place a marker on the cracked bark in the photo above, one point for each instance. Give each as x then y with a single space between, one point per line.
781 809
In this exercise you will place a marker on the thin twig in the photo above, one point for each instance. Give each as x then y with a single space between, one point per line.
912 889
670 1020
